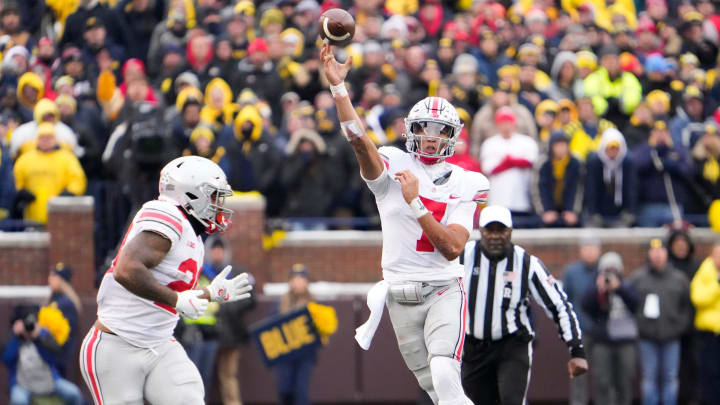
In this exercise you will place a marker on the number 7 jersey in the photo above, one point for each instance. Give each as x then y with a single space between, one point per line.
139 321
408 254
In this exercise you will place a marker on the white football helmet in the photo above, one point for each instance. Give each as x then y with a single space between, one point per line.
432 117
200 187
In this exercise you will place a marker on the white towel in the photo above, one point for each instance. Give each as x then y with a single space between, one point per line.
376 303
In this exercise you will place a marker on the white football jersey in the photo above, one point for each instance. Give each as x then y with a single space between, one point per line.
408 254
139 321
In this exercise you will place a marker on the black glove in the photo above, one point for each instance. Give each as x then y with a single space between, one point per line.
23 198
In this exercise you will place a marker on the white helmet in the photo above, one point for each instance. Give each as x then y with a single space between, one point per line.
432 117
199 186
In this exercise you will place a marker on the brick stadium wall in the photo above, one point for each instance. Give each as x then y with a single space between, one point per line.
340 256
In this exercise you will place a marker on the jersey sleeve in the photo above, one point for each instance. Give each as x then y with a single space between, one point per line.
475 189
390 157
162 218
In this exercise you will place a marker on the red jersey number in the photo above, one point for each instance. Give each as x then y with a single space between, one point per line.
190 266
438 212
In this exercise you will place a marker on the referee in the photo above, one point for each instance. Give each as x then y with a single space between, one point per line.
499 278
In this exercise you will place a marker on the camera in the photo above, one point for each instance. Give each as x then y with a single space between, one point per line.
29 321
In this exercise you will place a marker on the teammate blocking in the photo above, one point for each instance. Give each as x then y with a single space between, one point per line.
426 209
129 355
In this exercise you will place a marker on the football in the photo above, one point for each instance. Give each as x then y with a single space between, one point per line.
337 27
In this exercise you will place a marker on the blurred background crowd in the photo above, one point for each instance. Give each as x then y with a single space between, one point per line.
580 112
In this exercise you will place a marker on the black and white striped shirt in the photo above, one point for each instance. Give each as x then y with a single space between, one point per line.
498 296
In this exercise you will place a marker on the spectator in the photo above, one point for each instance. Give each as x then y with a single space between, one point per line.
232 327
7 184
254 161
462 156
484 125
171 31
64 298
310 181
638 129
188 105
30 90
705 294
611 184
578 279
706 169
219 109
612 303
614 93
663 316
45 172
293 376
507 159
660 104
585 133
12 26
545 116
140 17
258 73
77 21
681 250
664 168
556 190
564 75
30 358
489 57
45 111
203 143
690 113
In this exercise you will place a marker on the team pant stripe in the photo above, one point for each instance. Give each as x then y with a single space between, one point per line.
463 308
89 361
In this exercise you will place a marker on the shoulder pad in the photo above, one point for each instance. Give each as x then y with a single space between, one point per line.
391 155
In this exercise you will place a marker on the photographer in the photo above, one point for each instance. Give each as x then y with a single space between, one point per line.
30 358
610 303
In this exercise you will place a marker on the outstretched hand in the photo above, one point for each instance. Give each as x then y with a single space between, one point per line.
335 71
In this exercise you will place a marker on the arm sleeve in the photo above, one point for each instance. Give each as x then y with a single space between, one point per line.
155 219
632 93
705 286
381 185
548 294
463 215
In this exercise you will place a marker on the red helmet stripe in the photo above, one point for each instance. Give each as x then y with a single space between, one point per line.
434 109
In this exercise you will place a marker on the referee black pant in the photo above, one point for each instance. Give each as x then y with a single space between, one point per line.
497 372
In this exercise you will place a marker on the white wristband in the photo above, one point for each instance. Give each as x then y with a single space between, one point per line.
338 90
418 208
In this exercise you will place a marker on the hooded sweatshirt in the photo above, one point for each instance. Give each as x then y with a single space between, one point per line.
610 184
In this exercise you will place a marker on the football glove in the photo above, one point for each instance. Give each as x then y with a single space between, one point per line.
190 305
223 290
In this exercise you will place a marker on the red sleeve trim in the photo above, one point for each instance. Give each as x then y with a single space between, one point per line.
165 218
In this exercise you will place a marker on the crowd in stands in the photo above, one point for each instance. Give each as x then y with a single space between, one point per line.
580 112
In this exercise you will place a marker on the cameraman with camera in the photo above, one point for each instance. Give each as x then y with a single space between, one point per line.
30 357
611 304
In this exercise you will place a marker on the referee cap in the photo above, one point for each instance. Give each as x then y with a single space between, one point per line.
495 213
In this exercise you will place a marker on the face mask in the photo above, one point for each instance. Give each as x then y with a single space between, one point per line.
247 132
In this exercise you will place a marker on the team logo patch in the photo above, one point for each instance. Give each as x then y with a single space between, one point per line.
454 197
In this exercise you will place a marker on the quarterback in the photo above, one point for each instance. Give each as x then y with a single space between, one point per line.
426 210
129 355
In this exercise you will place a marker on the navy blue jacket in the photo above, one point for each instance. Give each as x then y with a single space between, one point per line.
571 183
676 162
599 199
